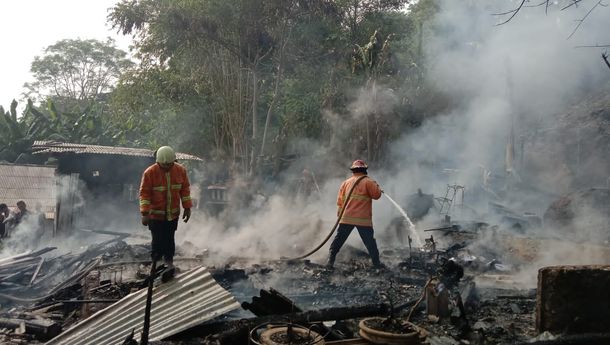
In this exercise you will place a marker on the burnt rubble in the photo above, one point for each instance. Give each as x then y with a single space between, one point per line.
452 291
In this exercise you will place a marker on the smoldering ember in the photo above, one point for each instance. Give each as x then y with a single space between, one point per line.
312 172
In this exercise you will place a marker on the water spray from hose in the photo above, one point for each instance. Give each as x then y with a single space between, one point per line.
411 227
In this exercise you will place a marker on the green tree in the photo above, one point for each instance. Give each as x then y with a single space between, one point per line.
13 134
228 68
72 80
77 70
18 133
214 48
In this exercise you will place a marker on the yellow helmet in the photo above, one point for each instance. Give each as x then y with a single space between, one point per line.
165 155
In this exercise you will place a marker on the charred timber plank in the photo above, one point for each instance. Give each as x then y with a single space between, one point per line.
42 329
286 302
229 328
12 276
573 299
36 271
576 339
18 263
270 302
26 254
77 276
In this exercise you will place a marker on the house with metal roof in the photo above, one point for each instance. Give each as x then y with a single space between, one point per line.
34 184
99 184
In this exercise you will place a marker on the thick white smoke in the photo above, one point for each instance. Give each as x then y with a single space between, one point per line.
503 82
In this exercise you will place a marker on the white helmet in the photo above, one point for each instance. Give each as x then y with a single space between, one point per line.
165 155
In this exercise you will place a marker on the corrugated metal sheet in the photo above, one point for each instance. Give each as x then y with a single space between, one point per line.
182 303
34 184
40 147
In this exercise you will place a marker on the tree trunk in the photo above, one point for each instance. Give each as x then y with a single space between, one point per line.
278 79
254 116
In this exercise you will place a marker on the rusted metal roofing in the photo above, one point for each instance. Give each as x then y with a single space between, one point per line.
40 147
182 303
34 184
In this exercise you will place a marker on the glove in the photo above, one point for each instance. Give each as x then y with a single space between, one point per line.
186 215
145 220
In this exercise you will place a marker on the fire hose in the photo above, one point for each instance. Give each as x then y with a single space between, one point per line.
332 231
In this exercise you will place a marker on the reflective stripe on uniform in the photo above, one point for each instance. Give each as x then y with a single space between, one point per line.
144 202
162 212
186 198
356 219
177 186
159 189
360 197
168 203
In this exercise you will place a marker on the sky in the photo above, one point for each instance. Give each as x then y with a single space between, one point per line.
29 26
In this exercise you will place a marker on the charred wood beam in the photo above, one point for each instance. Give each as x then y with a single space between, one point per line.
236 328
121 235
36 271
25 255
141 262
576 339
15 276
270 302
19 263
70 281
77 276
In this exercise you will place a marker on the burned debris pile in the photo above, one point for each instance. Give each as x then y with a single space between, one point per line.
452 290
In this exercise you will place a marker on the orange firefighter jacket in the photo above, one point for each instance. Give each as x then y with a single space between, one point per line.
162 192
359 209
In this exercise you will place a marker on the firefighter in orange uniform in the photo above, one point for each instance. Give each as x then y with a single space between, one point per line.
358 212
164 186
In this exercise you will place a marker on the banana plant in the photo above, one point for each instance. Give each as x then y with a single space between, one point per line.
14 138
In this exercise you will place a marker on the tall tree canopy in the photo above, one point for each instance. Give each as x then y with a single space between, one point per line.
72 81
77 70
239 79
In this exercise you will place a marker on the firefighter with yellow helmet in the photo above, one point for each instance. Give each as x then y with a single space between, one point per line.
164 187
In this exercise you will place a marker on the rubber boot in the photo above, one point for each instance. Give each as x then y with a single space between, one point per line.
330 263
379 265
169 271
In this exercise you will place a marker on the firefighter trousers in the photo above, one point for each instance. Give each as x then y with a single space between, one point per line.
163 244
366 234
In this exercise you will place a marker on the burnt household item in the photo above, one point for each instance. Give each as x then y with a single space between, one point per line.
290 334
470 296
272 302
379 330
42 329
450 272
449 200
573 299
437 299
